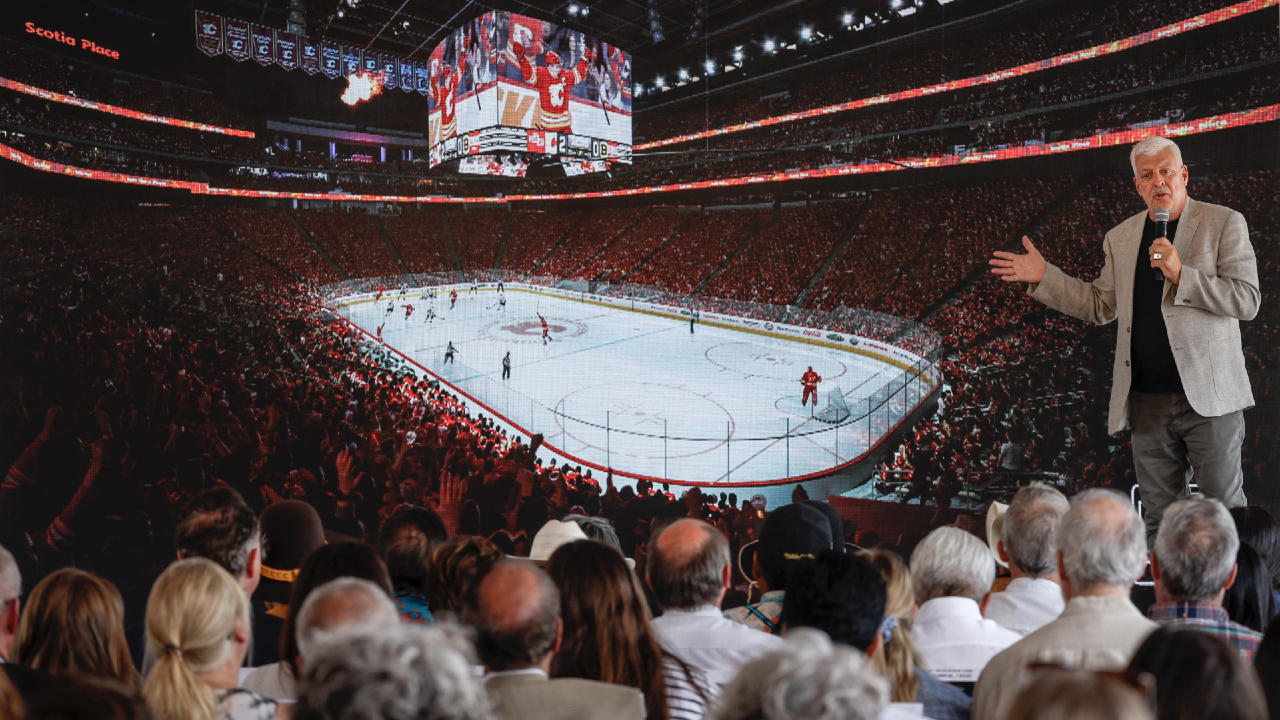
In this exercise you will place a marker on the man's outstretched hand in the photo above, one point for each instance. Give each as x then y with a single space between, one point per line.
1028 268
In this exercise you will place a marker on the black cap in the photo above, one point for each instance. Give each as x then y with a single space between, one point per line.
790 534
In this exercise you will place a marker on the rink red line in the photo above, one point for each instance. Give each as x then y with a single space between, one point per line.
638 476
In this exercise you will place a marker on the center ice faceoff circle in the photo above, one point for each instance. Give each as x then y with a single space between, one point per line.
773 361
529 330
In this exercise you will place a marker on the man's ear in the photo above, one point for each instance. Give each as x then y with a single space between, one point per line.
876 645
1155 569
1004 556
12 614
1231 580
555 647
726 576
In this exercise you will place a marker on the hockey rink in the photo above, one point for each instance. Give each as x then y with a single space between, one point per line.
638 392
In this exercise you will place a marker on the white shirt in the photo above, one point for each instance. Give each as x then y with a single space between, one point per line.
1026 605
955 641
705 639
274 681
903 711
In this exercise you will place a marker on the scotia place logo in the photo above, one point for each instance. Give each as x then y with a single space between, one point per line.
531 330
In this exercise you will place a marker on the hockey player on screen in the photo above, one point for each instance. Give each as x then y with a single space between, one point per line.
449 352
384 342
453 298
408 310
553 83
546 329
444 87
810 381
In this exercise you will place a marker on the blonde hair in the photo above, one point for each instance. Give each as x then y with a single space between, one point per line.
73 624
899 657
191 613
1078 695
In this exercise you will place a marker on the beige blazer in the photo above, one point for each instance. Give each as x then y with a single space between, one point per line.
534 697
1202 313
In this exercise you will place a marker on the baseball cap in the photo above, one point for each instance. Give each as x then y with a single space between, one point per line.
790 534
291 531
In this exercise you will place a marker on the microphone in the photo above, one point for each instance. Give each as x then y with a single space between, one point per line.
1161 218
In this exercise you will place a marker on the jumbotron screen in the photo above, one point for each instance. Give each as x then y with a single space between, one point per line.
506 83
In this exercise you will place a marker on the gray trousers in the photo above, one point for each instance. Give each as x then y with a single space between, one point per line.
1173 443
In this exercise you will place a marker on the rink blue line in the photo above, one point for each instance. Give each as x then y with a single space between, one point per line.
557 357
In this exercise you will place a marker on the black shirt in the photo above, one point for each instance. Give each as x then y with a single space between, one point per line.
1154 369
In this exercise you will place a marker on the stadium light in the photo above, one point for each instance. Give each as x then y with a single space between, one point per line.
847 19
710 65
769 46
684 74
737 54
895 4
586 11
573 8
806 32
660 82
342 13
638 90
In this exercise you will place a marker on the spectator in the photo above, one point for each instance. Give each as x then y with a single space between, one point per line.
1102 551
403 673
11 596
519 632
554 534
73 625
1259 528
343 559
808 677
898 659
406 541
1193 564
197 635
790 534
608 636
292 531
689 572
11 705
217 524
457 565
952 571
87 698
1267 663
1249 600
1197 675
1033 597
840 594
1078 695
338 605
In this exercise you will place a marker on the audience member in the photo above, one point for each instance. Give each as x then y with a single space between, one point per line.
790 534
1078 695
406 540
1102 551
1267 663
88 698
340 604
197 636
1249 600
402 673
291 530
898 658
457 565
519 632
11 596
689 571
808 677
1197 675
1033 597
554 534
11 705
952 571
1259 528
73 625
608 637
1193 564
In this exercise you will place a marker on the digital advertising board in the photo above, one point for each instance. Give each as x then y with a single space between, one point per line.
504 82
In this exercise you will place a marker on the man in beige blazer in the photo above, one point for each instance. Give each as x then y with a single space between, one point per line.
1179 377
519 630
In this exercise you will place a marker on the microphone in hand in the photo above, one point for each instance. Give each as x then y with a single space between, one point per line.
1161 218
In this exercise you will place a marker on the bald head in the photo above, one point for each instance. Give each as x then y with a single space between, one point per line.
686 567
517 616
343 603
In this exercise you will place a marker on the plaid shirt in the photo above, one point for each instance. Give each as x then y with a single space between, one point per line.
1211 619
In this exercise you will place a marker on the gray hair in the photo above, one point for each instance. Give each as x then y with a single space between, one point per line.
598 528
1031 526
684 578
396 673
1153 145
10 576
808 677
1102 540
1196 547
345 602
952 562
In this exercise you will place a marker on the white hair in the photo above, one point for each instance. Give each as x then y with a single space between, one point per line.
951 562
10 576
1153 145
1196 547
1102 540
405 672
1031 527
342 603
808 677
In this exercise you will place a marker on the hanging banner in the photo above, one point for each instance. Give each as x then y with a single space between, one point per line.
406 75
309 60
372 62
287 50
350 60
264 44
390 73
422 72
237 34
209 33
330 58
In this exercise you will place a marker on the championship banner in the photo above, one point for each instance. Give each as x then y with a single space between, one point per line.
422 73
406 75
209 33
330 58
350 60
287 50
390 76
309 60
372 62
264 44
237 34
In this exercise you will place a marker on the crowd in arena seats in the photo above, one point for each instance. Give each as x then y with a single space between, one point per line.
633 247
478 234
352 239
591 238
274 235
419 236
703 245
534 234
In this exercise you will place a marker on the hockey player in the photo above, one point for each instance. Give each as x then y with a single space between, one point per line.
693 318
448 352
553 83
453 298
502 303
546 329
810 381
380 291
408 310
391 307
506 366
384 342
429 315
443 91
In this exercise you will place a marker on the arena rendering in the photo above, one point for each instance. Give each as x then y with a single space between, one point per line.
507 263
